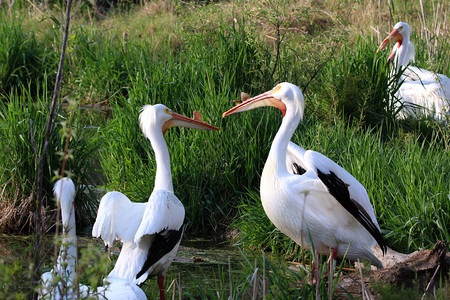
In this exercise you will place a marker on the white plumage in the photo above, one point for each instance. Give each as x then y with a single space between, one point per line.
422 92
163 211
119 289
150 232
61 282
135 225
305 194
338 224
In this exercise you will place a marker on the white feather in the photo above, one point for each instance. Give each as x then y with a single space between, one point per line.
117 218
120 289
163 211
314 160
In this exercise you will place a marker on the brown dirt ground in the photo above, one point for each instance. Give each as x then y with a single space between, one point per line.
422 270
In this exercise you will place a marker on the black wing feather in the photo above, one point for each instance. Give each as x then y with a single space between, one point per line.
339 190
297 169
163 243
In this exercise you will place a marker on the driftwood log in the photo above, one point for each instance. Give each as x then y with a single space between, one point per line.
419 270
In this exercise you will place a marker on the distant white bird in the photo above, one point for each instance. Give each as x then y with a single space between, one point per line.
150 232
60 283
423 92
305 194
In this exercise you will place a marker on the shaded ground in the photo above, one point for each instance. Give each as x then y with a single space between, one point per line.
198 261
422 271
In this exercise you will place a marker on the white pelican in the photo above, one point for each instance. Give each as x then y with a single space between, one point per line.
423 92
304 192
60 283
150 232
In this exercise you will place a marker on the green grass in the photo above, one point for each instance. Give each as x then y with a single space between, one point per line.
24 60
235 279
22 128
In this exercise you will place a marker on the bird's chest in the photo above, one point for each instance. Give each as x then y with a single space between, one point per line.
280 206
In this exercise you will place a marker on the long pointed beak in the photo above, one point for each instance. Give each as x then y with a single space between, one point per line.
394 35
264 99
183 121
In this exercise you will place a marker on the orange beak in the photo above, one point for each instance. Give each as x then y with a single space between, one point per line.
394 36
264 99
183 121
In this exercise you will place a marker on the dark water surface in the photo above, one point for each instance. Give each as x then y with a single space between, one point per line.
198 262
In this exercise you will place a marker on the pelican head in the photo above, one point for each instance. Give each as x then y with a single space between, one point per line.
159 116
286 96
402 31
64 191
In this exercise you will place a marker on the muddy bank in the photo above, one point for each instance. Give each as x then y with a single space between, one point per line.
421 271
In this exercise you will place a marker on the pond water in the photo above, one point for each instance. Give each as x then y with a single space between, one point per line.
198 262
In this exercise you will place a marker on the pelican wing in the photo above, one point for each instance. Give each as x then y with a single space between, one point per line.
425 92
348 191
117 217
163 243
295 159
163 211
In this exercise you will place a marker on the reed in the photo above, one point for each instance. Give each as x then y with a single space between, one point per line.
22 121
24 60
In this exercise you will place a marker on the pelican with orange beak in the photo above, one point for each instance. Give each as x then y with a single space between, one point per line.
422 92
150 232
400 35
306 195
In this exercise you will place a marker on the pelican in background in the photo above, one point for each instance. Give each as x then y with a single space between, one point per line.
307 195
423 92
150 232
60 283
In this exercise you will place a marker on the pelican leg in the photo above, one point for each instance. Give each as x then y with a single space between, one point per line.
333 256
162 294
330 270
314 281
313 268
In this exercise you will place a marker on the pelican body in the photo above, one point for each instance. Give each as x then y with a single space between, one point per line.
422 92
306 195
150 232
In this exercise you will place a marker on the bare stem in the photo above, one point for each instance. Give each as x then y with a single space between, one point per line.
41 159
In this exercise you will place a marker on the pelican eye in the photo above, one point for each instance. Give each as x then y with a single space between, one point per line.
167 111
276 89
400 28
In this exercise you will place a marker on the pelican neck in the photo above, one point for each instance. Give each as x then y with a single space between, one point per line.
68 252
280 143
402 52
163 178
